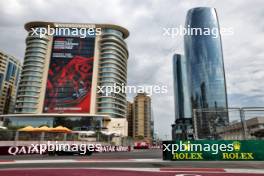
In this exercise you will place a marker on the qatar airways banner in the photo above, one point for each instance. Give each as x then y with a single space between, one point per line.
70 74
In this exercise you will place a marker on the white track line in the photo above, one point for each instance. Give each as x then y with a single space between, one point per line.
78 161
246 171
227 171
192 170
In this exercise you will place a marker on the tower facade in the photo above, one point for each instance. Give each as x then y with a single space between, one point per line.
10 69
182 129
181 88
205 67
142 117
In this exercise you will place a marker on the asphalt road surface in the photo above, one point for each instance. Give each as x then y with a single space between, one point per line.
137 162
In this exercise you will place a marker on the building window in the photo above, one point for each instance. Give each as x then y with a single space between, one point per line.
9 71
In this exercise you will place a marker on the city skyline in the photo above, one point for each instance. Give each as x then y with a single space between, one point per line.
151 51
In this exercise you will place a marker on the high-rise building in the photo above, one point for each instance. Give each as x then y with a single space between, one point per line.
204 58
130 118
142 117
10 68
65 66
182 129
61 69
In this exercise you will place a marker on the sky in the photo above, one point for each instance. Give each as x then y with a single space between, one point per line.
150 58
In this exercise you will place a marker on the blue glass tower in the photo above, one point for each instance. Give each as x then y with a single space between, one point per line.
181 88
182 129
203 50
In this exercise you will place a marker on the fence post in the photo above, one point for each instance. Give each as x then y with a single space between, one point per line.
243 122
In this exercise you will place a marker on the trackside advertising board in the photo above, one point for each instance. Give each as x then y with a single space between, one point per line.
204 150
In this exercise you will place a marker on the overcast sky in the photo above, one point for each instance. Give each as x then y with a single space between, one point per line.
150 61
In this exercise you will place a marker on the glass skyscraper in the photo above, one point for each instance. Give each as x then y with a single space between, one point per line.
182 129
181 88
203 50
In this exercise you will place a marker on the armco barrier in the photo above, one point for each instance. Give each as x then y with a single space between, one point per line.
204 150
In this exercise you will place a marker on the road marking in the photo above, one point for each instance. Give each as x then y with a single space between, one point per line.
166 169
246 171
191 171
7 161
187 175
76 161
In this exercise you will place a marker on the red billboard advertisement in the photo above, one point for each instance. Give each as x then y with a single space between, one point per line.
70 74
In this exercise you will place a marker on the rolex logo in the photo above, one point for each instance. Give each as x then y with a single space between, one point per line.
237 145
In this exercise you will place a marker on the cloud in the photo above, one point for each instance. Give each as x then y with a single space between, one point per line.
150 51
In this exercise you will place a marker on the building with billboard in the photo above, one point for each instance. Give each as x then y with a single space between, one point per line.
204 56
10 69
182 129
66 64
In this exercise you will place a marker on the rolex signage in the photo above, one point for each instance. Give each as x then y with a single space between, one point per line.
225 150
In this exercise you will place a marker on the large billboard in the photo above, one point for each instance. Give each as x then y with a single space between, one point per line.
70 74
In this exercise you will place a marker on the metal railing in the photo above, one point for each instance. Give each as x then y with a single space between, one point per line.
233 123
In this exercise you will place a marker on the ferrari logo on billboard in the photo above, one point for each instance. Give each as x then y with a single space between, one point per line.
70 75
